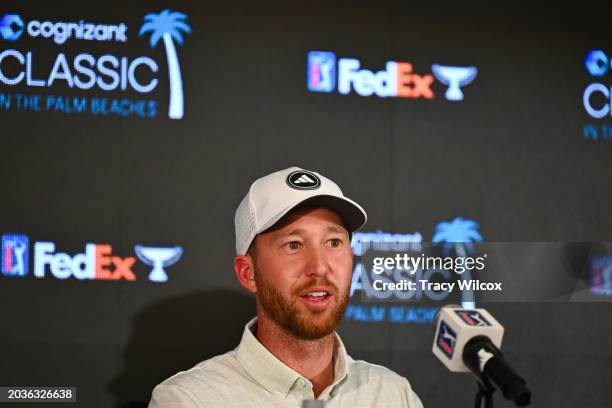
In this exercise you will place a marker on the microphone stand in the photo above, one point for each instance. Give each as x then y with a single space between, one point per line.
484 396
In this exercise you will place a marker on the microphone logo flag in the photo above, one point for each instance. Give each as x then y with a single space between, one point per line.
446 339
472 318
455 327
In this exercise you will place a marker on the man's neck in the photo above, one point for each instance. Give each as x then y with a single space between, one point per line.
311 358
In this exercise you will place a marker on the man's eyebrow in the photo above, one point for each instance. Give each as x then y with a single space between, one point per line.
336 229
301 231
297 231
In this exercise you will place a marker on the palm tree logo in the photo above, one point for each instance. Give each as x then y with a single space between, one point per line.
168 25
459 235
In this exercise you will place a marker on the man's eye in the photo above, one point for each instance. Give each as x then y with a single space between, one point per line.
294 244
335 242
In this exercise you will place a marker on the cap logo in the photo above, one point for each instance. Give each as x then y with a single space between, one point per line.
303 180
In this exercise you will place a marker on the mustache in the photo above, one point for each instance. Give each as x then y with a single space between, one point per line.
316 282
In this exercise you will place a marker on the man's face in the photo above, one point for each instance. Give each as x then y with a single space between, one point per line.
303 270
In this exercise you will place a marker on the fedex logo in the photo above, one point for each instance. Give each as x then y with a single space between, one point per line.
97 262
398 79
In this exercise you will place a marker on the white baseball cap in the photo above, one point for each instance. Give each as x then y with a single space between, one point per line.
271 197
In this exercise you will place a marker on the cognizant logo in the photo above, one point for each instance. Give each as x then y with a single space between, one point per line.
596 97
398 79
61 31
83 71
88 71
11 27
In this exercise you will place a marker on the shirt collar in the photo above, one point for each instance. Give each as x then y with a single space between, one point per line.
271 373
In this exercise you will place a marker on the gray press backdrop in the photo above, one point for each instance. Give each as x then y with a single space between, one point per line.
148 130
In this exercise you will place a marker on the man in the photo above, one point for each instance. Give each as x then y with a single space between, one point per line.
293 245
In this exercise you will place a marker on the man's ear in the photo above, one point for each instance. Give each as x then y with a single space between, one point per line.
244 266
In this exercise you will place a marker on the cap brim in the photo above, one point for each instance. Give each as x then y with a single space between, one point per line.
353 216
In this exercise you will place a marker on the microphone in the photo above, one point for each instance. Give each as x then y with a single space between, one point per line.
313 404
469 340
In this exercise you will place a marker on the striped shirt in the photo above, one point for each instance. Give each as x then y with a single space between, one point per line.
252 377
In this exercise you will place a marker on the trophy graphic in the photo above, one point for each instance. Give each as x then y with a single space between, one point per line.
455 78
158 258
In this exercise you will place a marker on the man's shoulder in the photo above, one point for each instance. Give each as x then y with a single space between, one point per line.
206 381
218 368
382 382
367 372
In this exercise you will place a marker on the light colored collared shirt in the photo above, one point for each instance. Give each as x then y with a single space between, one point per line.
252 377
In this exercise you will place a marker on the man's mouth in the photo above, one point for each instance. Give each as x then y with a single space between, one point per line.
316 297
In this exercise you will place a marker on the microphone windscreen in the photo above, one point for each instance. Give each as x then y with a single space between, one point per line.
313 404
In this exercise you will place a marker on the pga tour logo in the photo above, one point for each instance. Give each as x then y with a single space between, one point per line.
601 275
398 79
472 318
446 339
86 71
14 257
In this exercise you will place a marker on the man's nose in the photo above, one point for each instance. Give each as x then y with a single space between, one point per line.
317 262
